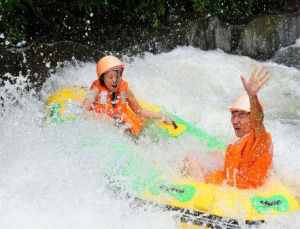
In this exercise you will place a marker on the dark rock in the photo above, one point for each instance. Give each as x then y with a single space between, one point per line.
38 61
289 56
263 36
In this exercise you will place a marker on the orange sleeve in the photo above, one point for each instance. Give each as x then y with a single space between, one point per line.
215 178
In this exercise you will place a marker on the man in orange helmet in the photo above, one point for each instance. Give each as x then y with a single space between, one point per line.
249 158
111 95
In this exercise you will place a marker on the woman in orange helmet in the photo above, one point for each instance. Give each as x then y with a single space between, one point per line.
111 95
249 158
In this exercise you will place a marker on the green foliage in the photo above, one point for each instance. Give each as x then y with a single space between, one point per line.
228 10
74 19
77 19
12 21
146 11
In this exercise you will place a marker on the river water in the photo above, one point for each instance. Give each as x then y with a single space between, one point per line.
48 181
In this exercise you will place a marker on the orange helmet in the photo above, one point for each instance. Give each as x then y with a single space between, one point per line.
242 103
108 62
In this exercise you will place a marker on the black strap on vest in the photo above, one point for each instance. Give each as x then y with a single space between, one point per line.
113 98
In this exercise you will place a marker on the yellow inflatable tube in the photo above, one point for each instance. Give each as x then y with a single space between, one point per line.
201 205
222 205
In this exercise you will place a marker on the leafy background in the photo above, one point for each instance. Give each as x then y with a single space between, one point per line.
81 20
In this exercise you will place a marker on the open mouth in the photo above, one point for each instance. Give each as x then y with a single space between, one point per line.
114 86
237 128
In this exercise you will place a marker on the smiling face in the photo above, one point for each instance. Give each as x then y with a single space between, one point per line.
241 122
112 80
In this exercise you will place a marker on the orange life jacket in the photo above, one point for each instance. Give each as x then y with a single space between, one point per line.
247 162
104 105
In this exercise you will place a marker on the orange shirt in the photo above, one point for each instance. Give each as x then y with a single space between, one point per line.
247 162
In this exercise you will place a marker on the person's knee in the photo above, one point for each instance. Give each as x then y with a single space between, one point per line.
217 154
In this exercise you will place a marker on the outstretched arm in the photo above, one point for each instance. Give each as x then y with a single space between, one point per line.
88 102
135 106
252 87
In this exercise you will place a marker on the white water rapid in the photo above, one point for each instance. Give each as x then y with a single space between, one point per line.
48 181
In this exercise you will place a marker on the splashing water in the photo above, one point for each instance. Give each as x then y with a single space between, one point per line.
48 181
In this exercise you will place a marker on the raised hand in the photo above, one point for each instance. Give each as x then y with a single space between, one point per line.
256 81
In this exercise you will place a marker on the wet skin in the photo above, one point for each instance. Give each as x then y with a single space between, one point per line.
241 122
112 80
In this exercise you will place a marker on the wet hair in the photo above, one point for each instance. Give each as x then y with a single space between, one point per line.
101 80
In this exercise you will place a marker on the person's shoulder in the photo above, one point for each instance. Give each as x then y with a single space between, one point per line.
264 133
95 85
124 83
265 139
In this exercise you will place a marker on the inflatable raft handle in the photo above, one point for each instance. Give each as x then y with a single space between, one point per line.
175 125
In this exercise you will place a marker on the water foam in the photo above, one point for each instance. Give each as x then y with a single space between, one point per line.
48 180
